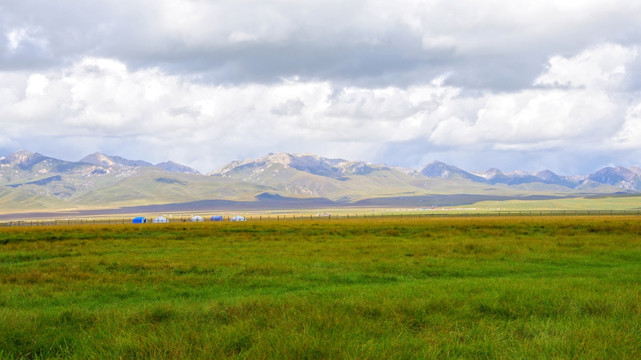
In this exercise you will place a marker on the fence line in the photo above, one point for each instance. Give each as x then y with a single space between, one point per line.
432 214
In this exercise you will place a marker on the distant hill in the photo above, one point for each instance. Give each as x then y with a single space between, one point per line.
309 163
108 161
620 177
316 176
31 181
175 167
34 181
111 161
23 164
437 169
257 171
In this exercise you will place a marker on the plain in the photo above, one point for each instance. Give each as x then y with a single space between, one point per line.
500 288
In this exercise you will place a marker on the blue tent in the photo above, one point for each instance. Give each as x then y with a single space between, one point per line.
140 220
216 218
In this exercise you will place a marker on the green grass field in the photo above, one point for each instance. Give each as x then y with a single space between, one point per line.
494 288
605 202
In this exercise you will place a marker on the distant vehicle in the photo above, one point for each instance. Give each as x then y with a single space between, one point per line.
237 218
160 219
216 218
140 220
196 218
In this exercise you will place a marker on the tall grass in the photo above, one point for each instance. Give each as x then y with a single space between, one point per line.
378 288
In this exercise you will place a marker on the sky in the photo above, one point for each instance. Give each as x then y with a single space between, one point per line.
516 85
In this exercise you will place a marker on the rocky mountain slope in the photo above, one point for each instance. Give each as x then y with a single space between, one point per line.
253 170
115 162
316 176
437 169
309 163
619 177
34 181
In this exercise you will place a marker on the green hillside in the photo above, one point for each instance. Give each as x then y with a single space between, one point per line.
622 202
154 186
34 182
16 200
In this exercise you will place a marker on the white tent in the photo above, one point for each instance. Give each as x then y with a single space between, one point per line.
196 218
160 219
237 218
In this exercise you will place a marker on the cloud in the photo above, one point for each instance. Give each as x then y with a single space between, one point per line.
601 67
290 107
98 98
103 98
24 46
579 106
371 43
532 119
165 79
629 135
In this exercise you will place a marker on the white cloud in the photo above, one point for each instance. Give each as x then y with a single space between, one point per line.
22 37
36 85
532 117
629 135
236 78
585 110
15 37
102 98
98 97
600 67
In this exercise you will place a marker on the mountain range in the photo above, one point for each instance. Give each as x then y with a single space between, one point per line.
32 181
620 177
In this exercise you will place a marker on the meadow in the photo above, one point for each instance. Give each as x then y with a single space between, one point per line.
425 288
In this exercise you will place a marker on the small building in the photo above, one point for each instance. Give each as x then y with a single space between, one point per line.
216 218
140 220
237 218
160 219
196 218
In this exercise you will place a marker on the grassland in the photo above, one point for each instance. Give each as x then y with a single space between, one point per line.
499 288
605 202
